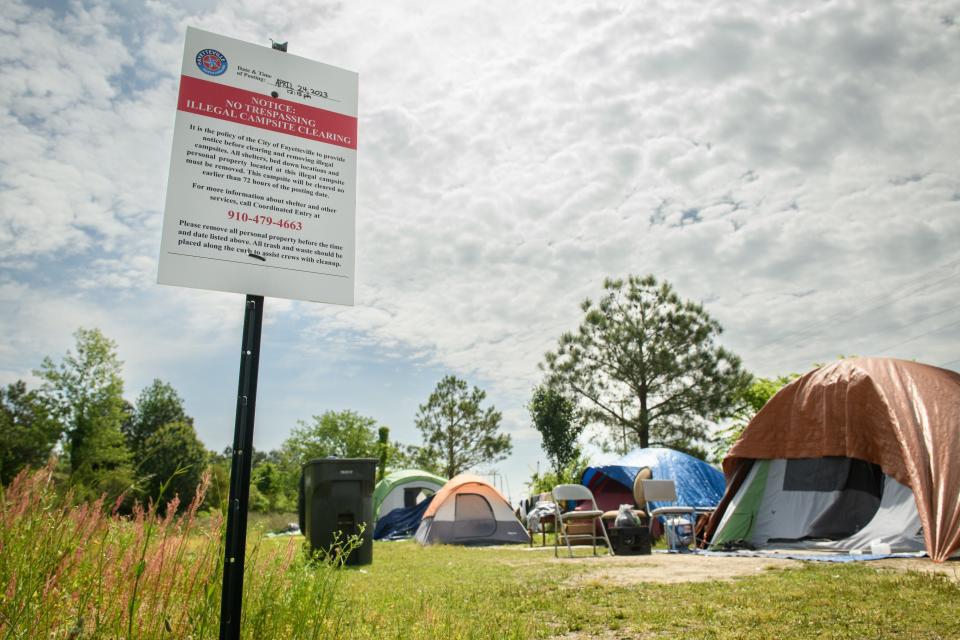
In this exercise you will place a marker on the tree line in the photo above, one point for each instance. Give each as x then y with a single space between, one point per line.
103 444
644 368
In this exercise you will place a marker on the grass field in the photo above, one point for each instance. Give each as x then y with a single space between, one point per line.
78 572
453 592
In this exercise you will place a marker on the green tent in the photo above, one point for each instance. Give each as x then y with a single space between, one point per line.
401 488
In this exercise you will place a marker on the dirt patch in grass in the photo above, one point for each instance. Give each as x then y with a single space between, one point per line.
951 568
615 635
677 568
671 568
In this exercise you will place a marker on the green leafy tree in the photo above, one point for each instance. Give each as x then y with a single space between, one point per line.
416 457
266 477
257 501
158 404
85 393
173 453
461 432
344 434
647 365
555 416
106 465
259 457
570 473
28 432
218 495
268 480
751 399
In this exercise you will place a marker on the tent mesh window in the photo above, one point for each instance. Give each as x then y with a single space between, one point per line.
474 517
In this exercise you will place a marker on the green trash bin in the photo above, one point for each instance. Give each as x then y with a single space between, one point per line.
336 495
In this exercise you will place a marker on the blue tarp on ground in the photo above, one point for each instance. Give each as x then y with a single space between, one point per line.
401 522
812 557
698 484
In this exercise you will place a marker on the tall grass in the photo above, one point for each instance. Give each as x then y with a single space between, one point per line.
83 571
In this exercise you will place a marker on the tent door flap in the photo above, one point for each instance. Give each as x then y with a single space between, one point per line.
473 517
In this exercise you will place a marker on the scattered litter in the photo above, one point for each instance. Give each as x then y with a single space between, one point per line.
292 529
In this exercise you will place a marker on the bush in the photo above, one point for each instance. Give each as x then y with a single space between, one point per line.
570 474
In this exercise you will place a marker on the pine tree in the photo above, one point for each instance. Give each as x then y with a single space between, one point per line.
459 430
648 366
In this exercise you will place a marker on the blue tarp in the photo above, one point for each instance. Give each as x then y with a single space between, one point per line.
698 484
401 522
812 557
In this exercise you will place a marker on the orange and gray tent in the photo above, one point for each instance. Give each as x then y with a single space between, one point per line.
859 455
469 510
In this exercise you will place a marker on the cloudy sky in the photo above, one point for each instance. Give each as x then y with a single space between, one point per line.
792 165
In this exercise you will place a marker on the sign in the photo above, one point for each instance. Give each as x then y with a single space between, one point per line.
261 197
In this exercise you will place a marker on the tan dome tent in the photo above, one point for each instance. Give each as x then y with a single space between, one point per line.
469 510
862 454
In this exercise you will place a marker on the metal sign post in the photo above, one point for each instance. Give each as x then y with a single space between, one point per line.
231 601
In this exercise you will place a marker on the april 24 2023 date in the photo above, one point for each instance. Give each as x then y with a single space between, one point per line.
242 216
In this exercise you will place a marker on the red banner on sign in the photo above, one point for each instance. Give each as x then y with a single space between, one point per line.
223 102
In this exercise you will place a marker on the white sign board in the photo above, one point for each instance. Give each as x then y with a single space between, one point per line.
261 197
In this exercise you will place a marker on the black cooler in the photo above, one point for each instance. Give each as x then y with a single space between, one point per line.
630 541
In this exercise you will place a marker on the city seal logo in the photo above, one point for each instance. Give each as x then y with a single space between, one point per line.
211 62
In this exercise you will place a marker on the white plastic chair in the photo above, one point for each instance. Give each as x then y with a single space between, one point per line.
666 491
579 493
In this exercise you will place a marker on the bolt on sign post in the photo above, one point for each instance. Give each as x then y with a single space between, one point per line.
261 200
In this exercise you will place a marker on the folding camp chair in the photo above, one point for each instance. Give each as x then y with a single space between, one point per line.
666 491
578 493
